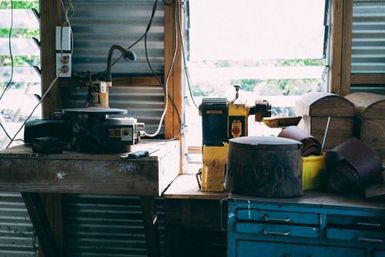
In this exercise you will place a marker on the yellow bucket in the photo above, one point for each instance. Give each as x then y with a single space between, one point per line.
311 171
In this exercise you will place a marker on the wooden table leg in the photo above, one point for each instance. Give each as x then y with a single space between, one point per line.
39 220
150 226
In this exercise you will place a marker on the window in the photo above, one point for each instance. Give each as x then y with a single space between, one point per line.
18 27
273 49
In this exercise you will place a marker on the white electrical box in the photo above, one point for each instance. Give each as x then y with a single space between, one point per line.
63 51
63 38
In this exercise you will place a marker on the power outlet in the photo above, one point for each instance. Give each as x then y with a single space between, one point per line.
63 65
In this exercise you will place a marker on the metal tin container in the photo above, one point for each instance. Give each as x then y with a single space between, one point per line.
264 166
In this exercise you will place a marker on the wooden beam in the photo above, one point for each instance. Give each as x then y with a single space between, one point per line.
119 82
174 85
39 219
336 46
50 11
346 47
367 79
150 220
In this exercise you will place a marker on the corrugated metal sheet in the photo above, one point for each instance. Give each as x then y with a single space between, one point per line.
98 24
142 102
16 232
106 226
368 42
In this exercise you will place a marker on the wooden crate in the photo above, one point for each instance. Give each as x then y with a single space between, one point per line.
315 108
370 120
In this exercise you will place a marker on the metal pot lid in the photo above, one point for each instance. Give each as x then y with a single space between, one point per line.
269 143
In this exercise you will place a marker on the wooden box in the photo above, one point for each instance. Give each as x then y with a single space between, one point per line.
370 118
315 108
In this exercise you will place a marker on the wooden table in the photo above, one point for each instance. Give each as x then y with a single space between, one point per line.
23 171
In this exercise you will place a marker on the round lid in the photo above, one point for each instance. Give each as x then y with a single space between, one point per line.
272 143
95 110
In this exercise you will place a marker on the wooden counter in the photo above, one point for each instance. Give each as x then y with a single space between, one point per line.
71 172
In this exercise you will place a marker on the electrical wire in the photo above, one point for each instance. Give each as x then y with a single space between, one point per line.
33 110
10 53
12 66
167 77
148 27
187 73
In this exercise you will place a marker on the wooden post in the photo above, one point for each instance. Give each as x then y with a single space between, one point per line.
50 17
346 48
341 46
336 46
174 85
150 226
37 213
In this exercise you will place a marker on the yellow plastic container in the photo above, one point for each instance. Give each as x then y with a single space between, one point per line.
312 167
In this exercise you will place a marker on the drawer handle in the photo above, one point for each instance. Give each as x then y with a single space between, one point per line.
368 224
267 219
266 232
371 240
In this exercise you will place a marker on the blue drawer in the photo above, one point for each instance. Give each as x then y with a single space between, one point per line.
355 235
379 254
277 216
359 221
270 249
277 230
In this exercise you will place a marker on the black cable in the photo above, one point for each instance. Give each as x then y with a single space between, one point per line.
33 110
12 66
5 131
148 27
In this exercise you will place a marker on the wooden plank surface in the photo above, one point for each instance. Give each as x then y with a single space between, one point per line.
22 171
367 79
186 187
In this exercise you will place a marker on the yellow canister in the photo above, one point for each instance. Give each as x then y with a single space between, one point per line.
312 167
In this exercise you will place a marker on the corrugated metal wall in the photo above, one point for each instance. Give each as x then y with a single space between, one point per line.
106 226
16 233
368 42
98 24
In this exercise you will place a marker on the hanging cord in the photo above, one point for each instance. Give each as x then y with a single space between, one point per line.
12 66
186 71
33 110
167 77
148 27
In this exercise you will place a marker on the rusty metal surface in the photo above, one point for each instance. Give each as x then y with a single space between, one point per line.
352 166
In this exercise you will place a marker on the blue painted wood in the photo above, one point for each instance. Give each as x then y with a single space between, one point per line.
277 230
304 229
356 235
379 254
263 249
277 217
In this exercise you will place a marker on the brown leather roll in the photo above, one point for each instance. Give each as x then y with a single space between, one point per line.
310 145
352 166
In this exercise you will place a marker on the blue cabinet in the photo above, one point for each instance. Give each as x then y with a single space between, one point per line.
316 225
